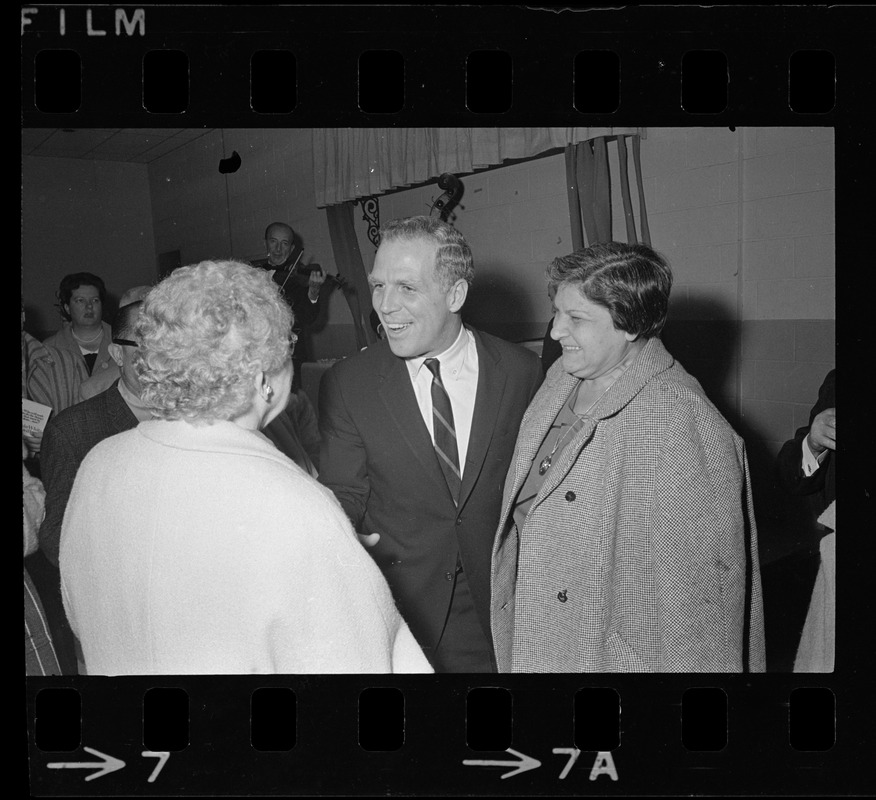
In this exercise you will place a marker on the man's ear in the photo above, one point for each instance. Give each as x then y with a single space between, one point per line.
457 294
115 352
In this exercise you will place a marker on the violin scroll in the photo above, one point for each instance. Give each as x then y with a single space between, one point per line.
452 193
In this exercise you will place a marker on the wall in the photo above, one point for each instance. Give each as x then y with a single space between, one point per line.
746 219
516 220
205 214
82 216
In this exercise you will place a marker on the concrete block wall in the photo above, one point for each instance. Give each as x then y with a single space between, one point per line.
82 216
746 218
206 214
516 220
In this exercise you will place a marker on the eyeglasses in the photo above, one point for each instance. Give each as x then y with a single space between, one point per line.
125 341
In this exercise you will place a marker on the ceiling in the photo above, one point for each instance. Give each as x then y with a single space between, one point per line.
135 145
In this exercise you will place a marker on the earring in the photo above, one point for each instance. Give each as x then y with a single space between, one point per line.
268 392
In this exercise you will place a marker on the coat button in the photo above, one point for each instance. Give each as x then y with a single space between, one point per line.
561 596
459 521
570 496
448 576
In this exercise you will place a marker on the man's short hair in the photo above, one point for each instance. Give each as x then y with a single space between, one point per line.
285 225
453 260
69 283
125 321
134 293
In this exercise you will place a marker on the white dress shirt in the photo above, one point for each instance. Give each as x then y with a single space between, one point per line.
811 462
459 372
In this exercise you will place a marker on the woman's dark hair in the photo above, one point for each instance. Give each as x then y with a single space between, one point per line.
631 280
69 283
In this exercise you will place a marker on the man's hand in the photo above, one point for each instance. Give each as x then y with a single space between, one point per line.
368 539
822 434
317 279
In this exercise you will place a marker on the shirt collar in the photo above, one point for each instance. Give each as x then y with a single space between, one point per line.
452 359
138 408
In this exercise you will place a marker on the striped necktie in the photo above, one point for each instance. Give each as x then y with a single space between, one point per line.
444 432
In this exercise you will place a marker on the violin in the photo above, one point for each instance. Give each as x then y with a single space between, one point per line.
300 275
444 203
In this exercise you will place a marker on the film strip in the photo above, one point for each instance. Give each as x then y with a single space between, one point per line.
562 734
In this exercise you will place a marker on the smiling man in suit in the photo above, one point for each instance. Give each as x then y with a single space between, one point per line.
417 433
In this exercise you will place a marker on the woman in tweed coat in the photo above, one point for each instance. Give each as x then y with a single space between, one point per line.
627 540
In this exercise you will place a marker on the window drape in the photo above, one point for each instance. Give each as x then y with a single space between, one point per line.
348 258
349 163
353 163
589 187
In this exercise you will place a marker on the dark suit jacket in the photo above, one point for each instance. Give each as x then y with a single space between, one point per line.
821 486
378 459
296 295
68 438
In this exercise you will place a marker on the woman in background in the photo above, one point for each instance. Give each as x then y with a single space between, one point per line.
81 298
627 539
191 544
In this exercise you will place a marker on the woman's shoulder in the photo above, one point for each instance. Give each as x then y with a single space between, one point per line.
58 339
683 397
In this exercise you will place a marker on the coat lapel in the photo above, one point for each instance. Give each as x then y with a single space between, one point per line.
534 426
547 403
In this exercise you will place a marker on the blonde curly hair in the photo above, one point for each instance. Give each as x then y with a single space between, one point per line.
204 333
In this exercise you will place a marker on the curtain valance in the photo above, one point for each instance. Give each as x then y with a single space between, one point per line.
349 163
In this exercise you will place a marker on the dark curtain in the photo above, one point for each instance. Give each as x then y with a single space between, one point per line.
350 267
589 188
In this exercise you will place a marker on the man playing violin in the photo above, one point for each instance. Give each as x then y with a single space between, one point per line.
302 291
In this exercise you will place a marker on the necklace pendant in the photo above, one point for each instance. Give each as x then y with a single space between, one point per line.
544 465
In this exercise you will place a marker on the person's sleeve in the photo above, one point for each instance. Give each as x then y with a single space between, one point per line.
704 543
34 497
58 464
308 427
536 376
811 462
343 463
789 462
304 309
54 380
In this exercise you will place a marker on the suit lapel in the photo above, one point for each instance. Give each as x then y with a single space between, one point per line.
491 387
398 397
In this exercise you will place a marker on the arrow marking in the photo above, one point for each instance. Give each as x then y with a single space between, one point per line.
524 764
162 760
107 765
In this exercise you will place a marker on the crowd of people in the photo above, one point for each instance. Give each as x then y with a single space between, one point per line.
457 504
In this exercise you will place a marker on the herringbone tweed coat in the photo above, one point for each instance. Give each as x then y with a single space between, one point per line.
639 554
